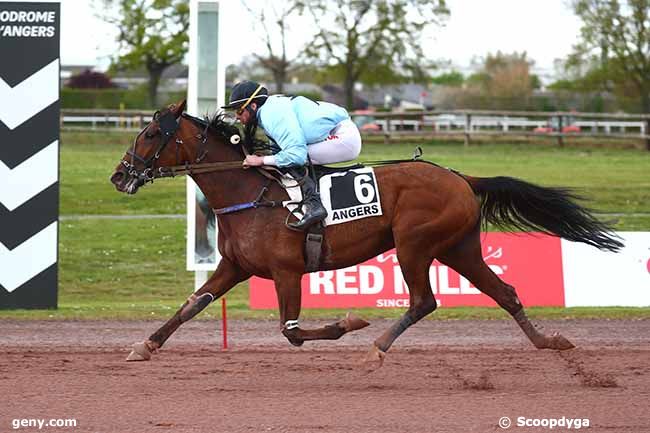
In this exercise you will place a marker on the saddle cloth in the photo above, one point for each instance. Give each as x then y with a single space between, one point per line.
347 195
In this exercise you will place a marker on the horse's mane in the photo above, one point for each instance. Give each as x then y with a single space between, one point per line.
218 124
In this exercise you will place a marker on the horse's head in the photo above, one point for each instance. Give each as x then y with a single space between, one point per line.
174 143
157 145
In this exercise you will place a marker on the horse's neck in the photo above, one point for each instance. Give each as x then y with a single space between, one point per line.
228 187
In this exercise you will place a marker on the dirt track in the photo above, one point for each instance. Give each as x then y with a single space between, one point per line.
456 376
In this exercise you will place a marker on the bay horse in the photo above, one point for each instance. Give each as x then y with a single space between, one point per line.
429 212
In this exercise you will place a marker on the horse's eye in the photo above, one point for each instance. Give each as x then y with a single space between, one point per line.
149 134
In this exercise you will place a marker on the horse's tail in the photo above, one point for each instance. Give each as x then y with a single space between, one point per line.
512 203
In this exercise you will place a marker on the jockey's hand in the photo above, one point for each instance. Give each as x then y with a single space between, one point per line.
253 161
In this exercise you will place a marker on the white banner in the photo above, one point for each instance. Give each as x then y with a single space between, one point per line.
598 278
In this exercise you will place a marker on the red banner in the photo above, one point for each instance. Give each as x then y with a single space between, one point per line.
532 263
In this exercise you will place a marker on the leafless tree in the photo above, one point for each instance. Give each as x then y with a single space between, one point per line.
271 22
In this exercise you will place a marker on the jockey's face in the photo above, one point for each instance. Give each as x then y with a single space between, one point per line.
245 116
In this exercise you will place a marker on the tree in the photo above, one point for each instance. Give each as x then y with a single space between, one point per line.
450 79
248 68
507 75
504 79
616 35
271 21
152 34
358 36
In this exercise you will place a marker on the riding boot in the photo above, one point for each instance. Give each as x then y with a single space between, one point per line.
314 210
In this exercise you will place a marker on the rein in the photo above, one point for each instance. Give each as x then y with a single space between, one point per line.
206 167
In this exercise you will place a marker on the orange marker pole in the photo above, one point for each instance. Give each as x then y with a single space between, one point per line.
224 320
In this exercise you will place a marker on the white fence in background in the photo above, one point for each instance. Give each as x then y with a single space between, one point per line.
474 123
391 125
506 124
94 120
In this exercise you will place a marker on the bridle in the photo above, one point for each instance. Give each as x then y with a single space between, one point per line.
168 126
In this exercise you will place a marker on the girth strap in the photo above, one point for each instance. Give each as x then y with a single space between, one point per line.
260 201
314 247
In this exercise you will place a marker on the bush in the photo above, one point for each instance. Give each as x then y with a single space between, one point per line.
90 80
136 98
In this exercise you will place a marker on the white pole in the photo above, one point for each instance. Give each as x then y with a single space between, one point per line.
200 277
205 93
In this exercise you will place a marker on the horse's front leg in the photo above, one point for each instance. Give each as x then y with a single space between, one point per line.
287 286
222 280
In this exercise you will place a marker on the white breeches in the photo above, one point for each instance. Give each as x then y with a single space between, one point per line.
343 144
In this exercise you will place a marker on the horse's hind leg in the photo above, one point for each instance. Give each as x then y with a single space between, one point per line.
466 258
415 265
222 280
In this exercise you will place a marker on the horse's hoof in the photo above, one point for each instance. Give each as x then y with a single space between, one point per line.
353 323
374 359
558 342
292 336
140 352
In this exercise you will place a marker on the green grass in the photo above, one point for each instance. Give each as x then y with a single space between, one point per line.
135 269
87 163
122 260
616 180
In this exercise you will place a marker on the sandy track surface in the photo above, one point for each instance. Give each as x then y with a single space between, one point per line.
454 376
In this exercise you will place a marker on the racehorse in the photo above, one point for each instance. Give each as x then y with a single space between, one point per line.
429 212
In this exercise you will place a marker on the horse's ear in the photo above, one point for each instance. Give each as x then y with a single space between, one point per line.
179 108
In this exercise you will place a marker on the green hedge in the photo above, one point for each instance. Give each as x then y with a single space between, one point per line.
112 98
136 98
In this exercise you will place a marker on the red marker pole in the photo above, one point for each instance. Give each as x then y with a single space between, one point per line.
224 329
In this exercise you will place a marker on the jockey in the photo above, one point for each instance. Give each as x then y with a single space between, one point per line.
300 129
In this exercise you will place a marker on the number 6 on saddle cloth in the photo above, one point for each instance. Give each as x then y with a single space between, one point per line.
347 193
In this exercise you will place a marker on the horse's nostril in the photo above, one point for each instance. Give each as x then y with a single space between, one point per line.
117 177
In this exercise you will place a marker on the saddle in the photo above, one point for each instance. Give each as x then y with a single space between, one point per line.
322 170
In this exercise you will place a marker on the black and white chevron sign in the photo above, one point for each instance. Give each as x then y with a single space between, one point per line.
29 154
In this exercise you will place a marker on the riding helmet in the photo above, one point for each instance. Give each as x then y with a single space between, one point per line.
242 92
